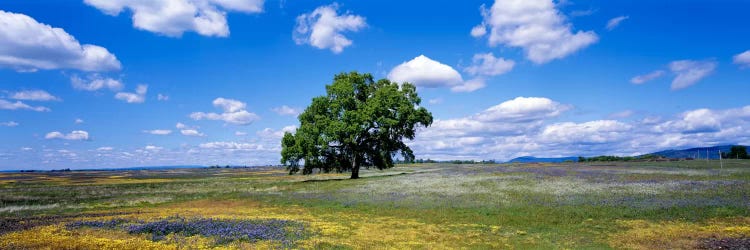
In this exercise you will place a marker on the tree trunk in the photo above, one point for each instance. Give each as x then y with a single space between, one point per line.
355 169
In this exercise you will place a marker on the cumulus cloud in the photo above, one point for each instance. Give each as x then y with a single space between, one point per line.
640 79
34 95
622 114
693 121
138 97
94 82
180 125
175 17
229 105
233 112
152 148
614 22
523 109
78 121
473 138
76 135
286 110
535 26
425 72
689 72
8 124
27 45
489 65
273 134
191 132
18 105
158 131
161 97
323 28
478 31
232 146
742 59
593 132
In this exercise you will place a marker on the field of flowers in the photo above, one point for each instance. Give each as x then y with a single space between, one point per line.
645 205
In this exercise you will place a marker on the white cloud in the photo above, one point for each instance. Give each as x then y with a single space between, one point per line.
174 17
514 128
536 26
78 121
240 133
229 105
622 114
138 97
27 45
690 72
489 65
473 138
180 125
742 59
470 85
94 82
614 22
191 132
425 72
9 124
601 131
323 28
234 112
34 95
76 135
286 110
272 134
158 131
105 149
693 121
523 109
478 31
18 105
435 101
232 146
161 97
647 77
152 148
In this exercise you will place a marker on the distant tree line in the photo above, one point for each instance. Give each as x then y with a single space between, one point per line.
447 161
618 158
736 152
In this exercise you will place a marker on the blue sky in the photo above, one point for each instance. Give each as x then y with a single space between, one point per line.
116 83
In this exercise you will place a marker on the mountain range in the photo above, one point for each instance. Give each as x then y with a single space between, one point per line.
695 153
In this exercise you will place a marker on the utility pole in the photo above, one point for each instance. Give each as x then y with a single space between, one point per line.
707 157
721 168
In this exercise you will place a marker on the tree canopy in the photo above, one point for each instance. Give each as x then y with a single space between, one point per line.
358 123
737 152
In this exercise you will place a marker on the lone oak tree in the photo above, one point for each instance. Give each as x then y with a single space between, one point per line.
358 123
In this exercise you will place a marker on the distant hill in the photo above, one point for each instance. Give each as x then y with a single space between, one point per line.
530 159
696 153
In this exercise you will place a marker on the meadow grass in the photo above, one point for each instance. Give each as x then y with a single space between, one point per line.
643 205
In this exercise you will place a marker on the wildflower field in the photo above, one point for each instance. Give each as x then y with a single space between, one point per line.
635 205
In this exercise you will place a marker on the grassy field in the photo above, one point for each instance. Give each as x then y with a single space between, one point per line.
643 205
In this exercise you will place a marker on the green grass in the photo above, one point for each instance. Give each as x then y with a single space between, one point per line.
536 205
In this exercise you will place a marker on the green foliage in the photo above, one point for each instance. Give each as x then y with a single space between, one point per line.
736 152
606 158
359 122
